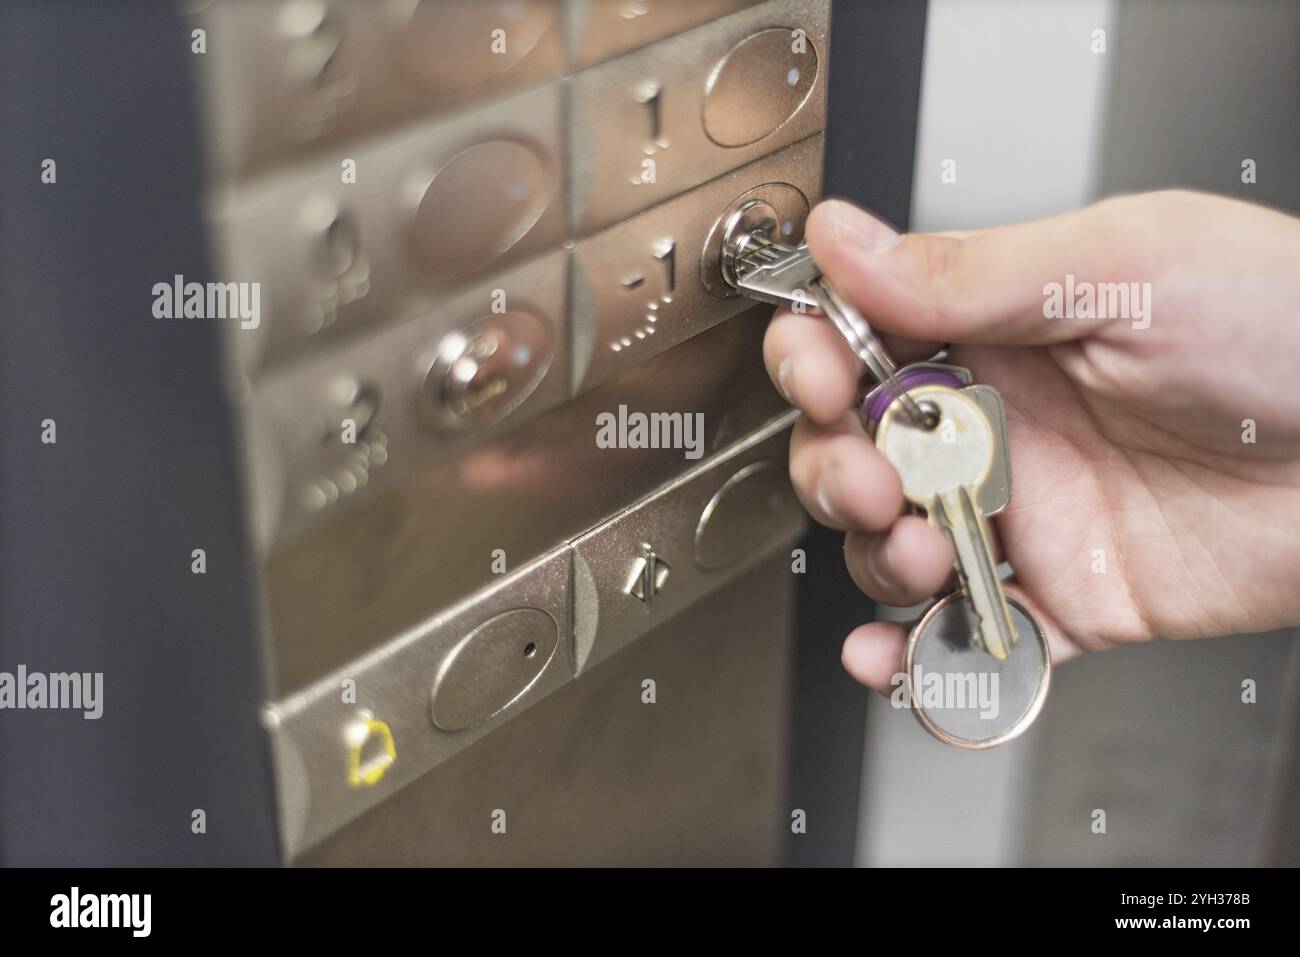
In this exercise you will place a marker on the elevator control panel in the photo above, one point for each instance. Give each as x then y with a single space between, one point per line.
500 415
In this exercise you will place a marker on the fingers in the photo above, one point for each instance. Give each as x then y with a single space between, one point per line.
908 563
873 654
841 478
983 286
904 565
845 483
811 365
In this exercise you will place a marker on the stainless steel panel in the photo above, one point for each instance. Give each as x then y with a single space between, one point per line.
432 209
443 539
610 611
367 573
593 774
292 79
638 287
762 82
492 666
352 738
600 29
746 511
637 123
303 469
316 734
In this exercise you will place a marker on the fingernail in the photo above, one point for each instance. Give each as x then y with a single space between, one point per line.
862 231
828 491
785 379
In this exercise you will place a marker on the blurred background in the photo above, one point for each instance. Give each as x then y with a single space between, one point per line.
1157 736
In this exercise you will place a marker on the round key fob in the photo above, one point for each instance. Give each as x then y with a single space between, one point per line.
963 695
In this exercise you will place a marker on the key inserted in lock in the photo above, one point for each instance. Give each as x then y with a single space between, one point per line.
959 481
755 263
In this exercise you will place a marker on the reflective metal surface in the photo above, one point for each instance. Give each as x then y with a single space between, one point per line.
757 87
480 205
483 371
291 79
403 686
669 753
368 573
481 230
775 209
426 209
747 511
492 666
638 288
298 410
963 695
638 134
608 614
440 685
600 29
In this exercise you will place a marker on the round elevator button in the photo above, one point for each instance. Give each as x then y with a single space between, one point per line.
758 86
744 514
479 204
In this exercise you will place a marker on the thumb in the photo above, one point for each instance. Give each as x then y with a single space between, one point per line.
986 286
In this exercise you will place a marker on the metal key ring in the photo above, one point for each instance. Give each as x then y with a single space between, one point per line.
1029 656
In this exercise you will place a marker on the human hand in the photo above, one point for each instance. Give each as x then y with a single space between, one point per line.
1155 456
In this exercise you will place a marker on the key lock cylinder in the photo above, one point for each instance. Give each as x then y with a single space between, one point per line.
976 664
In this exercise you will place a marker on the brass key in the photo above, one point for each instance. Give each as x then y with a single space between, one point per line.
943 467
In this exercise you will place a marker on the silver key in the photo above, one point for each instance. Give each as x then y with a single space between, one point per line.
757 265
858 334
943 469
963 696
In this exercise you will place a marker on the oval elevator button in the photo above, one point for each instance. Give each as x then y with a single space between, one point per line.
492 666
743 514
758 86
447 48
479 204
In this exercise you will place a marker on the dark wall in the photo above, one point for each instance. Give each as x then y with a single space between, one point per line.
96 531
876 58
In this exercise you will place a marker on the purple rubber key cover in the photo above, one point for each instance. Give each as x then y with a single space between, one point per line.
910 380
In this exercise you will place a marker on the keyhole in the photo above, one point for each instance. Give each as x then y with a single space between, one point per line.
530 649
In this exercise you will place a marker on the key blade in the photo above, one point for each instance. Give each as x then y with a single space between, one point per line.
779 274
954 512
857 332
